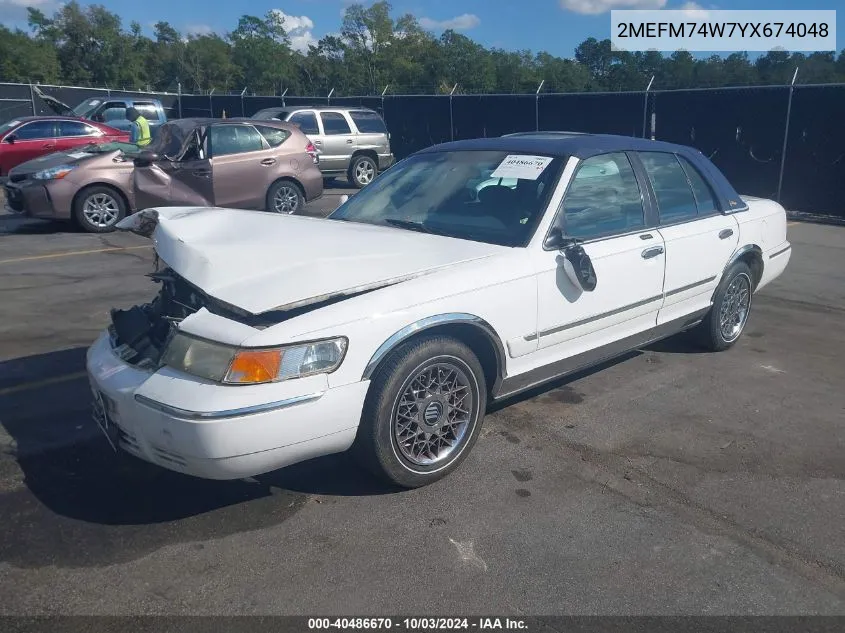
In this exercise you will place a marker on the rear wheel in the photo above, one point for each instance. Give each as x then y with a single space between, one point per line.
97 209
362 171
286 197
424 412
725 322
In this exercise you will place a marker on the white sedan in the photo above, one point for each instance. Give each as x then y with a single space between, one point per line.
389 327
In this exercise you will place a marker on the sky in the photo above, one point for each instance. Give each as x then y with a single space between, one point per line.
556 26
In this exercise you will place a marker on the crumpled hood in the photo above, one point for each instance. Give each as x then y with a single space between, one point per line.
70 157
259 261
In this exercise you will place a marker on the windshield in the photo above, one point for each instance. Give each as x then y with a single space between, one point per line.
86 108
486 196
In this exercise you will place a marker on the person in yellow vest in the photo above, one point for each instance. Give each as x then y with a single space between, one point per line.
139 131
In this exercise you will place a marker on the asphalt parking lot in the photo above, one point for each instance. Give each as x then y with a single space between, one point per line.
668 482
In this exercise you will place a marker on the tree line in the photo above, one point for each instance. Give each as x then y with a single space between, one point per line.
90 46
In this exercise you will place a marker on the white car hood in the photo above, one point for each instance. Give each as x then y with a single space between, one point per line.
259 261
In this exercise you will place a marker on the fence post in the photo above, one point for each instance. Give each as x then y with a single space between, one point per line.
32 99
645 104
283 97
243 92
382 99
537 106
179 98
210 103
786 133
451 117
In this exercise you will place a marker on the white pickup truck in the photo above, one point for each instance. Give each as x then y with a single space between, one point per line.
388 327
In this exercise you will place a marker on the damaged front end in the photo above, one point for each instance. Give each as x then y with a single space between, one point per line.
140 334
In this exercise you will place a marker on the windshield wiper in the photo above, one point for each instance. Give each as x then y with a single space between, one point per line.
408 224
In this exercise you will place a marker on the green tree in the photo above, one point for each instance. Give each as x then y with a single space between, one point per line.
261 51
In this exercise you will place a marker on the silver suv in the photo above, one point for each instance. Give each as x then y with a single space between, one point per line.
350 140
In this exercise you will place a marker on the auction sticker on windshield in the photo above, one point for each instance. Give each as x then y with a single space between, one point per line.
78 155
519 166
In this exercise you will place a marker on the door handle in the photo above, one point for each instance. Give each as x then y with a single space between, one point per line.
654 251
349 141
725 234
646 236
268 161
317 142
49 146
202 173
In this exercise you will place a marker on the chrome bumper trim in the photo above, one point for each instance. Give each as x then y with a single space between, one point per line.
229 413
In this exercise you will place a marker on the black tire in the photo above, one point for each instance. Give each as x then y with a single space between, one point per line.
285 196
362 171
711 332
98 201
378 447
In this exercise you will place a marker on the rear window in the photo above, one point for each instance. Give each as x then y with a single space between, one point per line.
267 115
147 110
368 122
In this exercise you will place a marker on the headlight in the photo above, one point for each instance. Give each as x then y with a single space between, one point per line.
249 366
54 173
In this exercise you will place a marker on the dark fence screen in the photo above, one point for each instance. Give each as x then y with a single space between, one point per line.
741 130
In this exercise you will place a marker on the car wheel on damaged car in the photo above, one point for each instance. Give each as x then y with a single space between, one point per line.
285 197
423 302
97 209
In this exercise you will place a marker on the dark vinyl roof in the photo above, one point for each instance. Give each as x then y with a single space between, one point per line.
583 146
575 144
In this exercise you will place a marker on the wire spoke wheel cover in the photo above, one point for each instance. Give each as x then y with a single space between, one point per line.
733 313
365 171
433 414
101 210
286 199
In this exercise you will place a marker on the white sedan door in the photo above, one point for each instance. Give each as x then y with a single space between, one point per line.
699 239
605 207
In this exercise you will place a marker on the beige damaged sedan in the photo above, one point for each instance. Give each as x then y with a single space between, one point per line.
235 163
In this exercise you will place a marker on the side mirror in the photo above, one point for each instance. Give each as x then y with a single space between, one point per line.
99 118
343 199
576 263
145 158
11 138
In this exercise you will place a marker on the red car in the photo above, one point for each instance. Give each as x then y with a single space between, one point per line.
26 138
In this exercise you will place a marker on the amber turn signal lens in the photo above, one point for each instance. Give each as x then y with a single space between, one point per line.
255 366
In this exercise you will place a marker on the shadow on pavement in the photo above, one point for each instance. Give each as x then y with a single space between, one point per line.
79 504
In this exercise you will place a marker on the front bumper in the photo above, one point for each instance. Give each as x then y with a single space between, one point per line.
214 431
37 199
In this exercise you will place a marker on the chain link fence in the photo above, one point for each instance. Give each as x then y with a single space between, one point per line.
780 142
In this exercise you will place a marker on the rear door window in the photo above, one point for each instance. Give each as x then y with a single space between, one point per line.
675 200
36 130
704 197
368 122
334 123
307 122
235 139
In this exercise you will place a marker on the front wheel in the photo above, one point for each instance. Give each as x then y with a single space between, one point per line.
423 413
97 209
362 171
725 322
285 197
